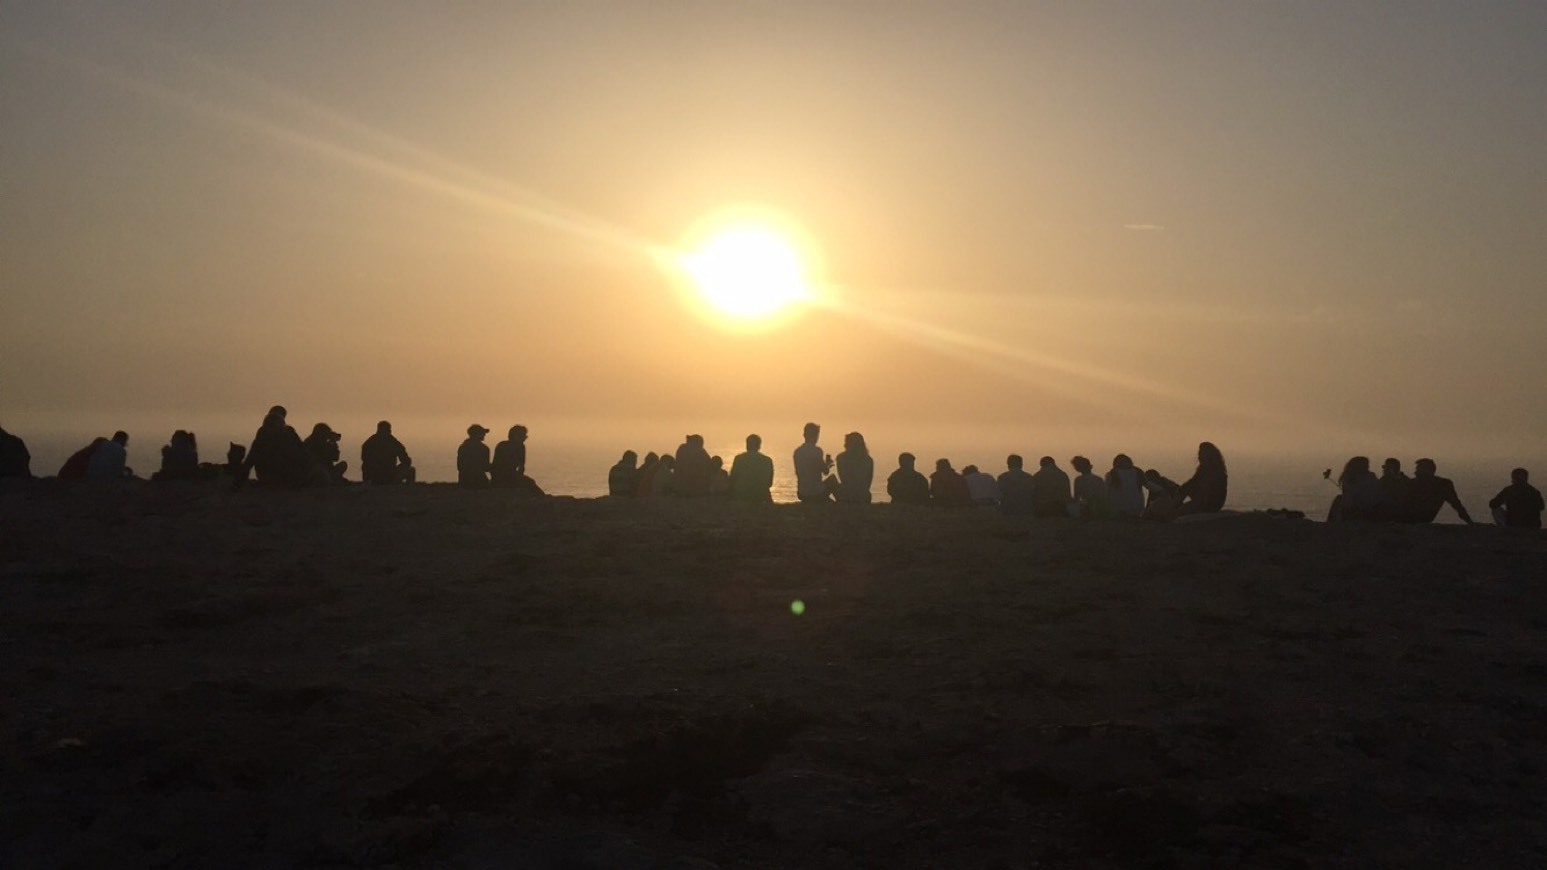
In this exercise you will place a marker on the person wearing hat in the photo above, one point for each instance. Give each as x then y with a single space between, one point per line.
322 446
473 458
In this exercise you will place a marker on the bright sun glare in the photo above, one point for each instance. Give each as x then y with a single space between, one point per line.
748 272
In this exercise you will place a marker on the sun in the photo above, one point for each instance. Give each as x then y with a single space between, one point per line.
748 272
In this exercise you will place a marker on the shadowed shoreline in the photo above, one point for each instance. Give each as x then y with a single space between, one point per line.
430 677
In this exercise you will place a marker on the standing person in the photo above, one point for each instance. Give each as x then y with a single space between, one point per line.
110 460
1017 488
15 461
1428 493
856 470
752 474
811 468
383 459
1125 487
1204 492
1518 505
623 477
947 488
473 459
691 468
1052 491
1090 491
907 485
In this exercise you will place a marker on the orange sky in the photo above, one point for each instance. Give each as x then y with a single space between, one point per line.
1283 225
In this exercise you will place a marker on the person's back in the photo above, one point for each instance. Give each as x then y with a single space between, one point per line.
1394 491
907 485
110 460
982 488
691 468
75 467
1206 490
383 459
1520 503
15 460
752 474
473 459
856 470
623 477
1090 491
646 476
507 470
1017 488
663 482
1427 493
947 488
811 467
179 458
1052 490
1125 487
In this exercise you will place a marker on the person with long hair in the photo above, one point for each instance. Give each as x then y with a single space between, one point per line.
856 470
1204 492
1359 492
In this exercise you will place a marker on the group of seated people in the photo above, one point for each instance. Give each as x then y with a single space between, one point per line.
506 469
278 456
1394 497
1125 491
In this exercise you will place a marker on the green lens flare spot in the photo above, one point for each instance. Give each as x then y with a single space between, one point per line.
797 607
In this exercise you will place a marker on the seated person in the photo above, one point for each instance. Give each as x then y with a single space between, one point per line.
109 460
277 455
1052 490
1428 493
179 458
1518 505
473 459
982 488
947 488
751 476
508 468
1163 496
1125 487
690 468
623 477
719 478
383 459
1204 492
907 485
856 470
1394 487
1090 492
1017 488
75 467
15 460
1359 493
322 447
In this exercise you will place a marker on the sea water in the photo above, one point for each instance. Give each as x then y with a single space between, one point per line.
1256 483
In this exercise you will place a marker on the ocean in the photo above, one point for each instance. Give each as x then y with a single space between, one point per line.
1256 482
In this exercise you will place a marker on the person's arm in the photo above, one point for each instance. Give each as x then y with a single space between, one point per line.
1498 501
1454 500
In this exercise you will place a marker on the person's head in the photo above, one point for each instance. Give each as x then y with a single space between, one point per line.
272 421
1014 462
1424 468
1210 456
971 469
630 457
652 458
906 460
716 462
476 432
1519 475
854 442
1047 462
321 430
942 465
1391 466
517 433
1081 464
122 437
696 440
668 460
1121 461
1152 475
754 443
279 411
812 432
1356 466
384 428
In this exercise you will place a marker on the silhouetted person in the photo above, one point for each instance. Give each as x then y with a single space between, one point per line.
1518 505
982 488
75 467
1429 493
811 468
277 455
856 470
15 461
322 447
1090 491
1204 492
508 469
752 473
907 485
473 459
1395 489
110 460
1359 493
179 458
719 478
1164 496
664 481
623 477
383 459
646 486
690 470
947 488
1017 488
1052 492
1125 487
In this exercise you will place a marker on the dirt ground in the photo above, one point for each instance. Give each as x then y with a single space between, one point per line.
422 677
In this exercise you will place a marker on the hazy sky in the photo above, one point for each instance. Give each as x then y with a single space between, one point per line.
1319 224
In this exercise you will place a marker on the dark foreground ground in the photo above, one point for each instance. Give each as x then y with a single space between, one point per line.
428 678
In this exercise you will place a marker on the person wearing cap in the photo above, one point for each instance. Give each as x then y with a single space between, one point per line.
473 458
322 446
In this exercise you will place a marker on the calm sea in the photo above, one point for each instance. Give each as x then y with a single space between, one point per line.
1256 483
